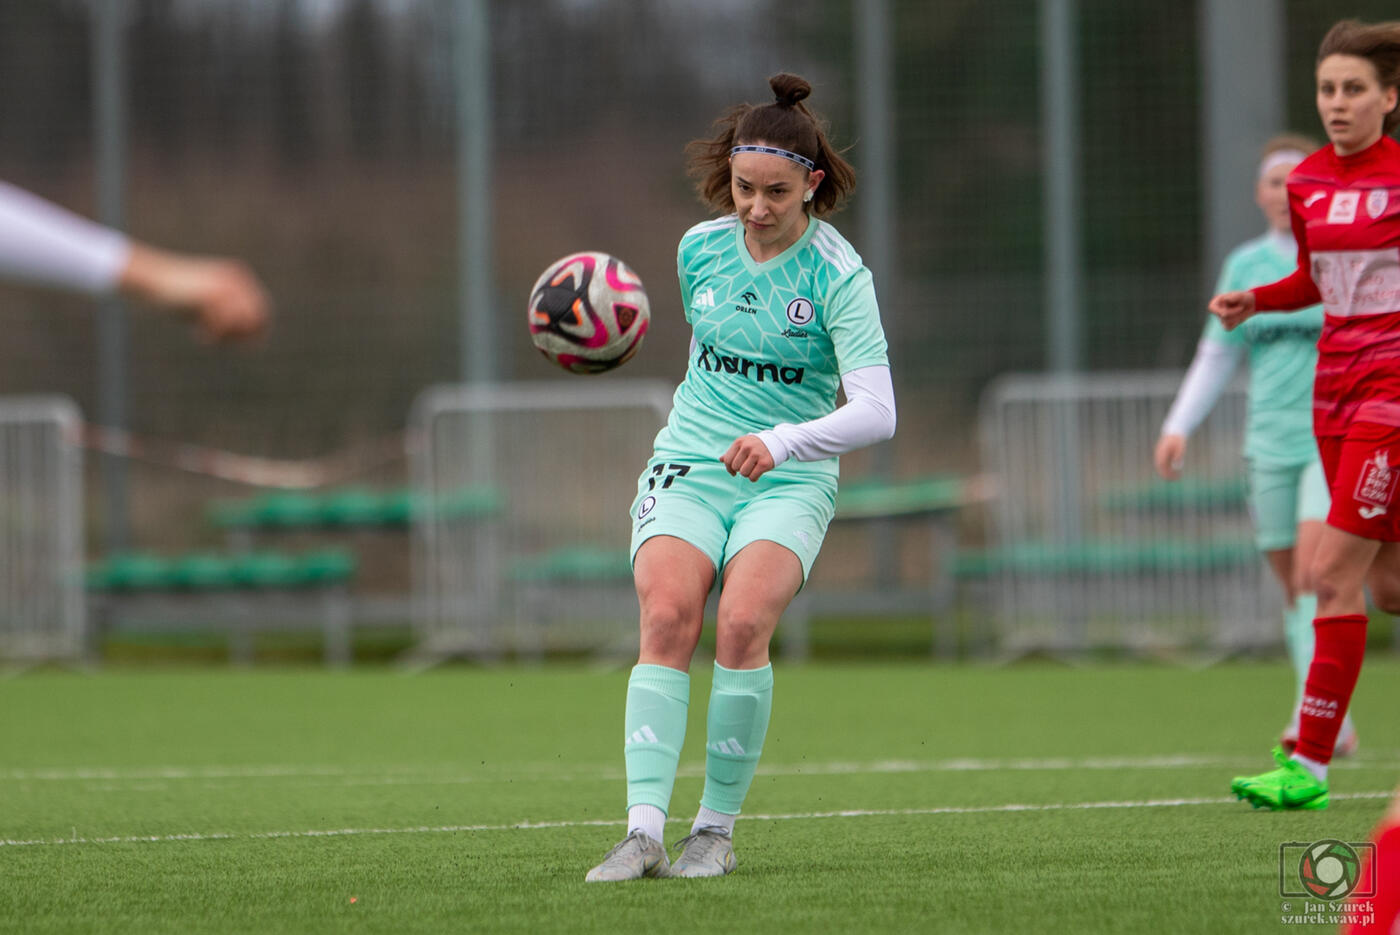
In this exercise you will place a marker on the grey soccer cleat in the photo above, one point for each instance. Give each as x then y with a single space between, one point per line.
708 852
632 858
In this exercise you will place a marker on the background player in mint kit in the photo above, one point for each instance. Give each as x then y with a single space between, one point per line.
1344 204
1287 491
742 482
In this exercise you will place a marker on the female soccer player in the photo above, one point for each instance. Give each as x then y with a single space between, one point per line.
1344 203
742 483
1288 495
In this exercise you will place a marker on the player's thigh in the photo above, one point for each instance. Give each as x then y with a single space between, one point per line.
1339 569
672 578
1273 505
760 582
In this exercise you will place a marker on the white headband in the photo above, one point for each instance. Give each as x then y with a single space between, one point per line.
1281 157
803 161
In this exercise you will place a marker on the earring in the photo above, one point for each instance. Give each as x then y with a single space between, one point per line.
807 196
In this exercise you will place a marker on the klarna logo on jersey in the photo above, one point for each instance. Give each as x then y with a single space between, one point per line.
1376 486
715 362
1358 282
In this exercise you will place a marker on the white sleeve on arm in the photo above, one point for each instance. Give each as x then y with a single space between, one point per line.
1206 378
866 418
43 243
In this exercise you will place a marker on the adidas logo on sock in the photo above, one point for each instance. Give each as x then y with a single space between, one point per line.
730 746
644 734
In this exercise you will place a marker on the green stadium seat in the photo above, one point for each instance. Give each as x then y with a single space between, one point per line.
129 571
352 507
1187 493
201 571
1105 557
573 564
872 499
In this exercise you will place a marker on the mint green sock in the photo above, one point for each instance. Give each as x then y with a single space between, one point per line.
658 698
741 701
1298 635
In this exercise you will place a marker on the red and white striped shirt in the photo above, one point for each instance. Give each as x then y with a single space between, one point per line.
1346 218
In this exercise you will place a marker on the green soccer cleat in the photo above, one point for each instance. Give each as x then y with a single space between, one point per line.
632 858
1290 786
708 852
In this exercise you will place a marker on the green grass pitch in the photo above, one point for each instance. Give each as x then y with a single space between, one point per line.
891 798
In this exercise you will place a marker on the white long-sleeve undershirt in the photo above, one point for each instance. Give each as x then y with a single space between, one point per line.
43 243
1206 378
867 417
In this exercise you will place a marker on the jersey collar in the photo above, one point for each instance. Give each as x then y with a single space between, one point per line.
754 267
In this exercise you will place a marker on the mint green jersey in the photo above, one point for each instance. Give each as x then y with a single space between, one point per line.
772 339
1282 355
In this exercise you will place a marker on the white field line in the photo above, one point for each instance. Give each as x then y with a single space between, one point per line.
554 772
594 823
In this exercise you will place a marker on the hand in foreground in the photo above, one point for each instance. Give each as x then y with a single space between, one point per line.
1170 456
223 295
748 456
1232 308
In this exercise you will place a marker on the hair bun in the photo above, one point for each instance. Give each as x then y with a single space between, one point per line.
789 90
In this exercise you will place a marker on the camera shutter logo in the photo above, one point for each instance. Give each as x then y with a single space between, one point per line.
1329 869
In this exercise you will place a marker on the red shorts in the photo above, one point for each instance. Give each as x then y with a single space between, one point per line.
1363 471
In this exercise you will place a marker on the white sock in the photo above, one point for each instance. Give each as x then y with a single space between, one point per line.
709 818
1319 770
647 819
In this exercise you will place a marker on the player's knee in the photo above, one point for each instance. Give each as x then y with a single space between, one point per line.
743 632
669 620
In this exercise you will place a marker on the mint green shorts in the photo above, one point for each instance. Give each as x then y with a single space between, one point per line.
700 503
1282 497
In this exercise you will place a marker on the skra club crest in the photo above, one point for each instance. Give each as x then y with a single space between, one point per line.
1376 201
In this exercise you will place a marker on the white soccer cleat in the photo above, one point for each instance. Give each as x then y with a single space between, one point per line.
708 852
632 858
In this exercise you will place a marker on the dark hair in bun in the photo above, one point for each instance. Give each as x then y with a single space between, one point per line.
787 124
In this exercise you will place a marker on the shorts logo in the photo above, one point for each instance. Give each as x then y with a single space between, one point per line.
1376 486
1343 210
647 505
801 311
1376 200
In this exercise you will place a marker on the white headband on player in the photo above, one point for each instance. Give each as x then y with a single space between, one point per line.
802 161
1282 157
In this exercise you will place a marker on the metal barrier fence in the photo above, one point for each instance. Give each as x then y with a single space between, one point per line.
1090 549
520 540
42 611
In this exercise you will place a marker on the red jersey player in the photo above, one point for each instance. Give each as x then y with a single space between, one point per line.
1344 202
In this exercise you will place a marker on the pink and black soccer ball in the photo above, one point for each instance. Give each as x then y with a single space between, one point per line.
588 312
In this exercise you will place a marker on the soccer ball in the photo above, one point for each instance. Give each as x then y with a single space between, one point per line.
588 312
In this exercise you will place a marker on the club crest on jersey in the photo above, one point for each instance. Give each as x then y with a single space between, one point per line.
801 311
1376 201
1376 486
1343 209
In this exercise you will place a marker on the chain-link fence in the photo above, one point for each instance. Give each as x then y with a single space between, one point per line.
318 139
